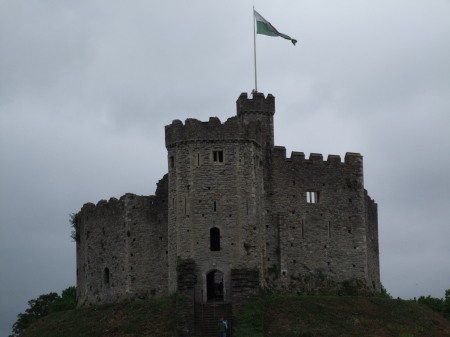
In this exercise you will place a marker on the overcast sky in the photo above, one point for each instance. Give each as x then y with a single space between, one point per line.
86 88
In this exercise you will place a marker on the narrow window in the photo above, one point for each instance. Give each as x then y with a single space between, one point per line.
185 206
218 156
198 159
303 230
106 276
172 162
215 206
214 237
312 197
329 229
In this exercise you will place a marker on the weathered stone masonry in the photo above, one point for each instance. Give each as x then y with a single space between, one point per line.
238 212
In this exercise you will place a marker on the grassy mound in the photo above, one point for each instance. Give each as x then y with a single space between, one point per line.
137 318
265 315
308 316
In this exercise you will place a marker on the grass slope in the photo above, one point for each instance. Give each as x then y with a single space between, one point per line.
269 315
308 316
137 318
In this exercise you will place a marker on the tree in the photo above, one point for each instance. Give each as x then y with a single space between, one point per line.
435 304
75 234
38 308
42 306
67 301
446 306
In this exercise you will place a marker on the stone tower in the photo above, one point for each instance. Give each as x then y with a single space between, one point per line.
216 195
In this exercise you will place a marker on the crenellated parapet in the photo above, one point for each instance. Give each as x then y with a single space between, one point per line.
257 104
194 130
118 207
350 159
114 206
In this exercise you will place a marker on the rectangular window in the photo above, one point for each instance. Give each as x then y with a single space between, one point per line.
171 162
218 156
312 197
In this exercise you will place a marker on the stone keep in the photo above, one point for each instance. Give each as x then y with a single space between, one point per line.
233 214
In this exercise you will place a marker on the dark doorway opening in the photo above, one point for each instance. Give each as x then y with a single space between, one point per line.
214 286
214 237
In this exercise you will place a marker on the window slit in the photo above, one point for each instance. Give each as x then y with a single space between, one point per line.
329 229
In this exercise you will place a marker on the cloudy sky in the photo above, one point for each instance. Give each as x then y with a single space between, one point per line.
86 88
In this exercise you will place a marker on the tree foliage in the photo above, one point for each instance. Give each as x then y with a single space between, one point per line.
42 306
446 306
67 301
440 305
435 304
384 293
38 308
75 234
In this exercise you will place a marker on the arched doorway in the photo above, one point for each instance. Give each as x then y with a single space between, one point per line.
214 286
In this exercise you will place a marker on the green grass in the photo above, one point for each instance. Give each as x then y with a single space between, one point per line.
271 315
289 316
137 318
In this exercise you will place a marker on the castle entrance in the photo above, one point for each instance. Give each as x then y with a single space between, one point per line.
214 286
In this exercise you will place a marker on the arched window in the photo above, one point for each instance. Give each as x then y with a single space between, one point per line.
106 276
214 237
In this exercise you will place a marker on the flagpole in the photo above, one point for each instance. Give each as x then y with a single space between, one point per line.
254 49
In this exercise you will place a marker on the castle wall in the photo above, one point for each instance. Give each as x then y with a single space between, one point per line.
373 253
328 234
122 249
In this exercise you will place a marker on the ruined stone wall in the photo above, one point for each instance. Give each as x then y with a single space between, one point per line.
328 234
122 248
223 194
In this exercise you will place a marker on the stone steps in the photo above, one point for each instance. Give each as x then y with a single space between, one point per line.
207 316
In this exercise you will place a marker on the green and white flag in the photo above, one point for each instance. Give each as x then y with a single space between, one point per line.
264 27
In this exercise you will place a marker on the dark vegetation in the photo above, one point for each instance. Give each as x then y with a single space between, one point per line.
42 306
322 316
75 233
141 318
271 315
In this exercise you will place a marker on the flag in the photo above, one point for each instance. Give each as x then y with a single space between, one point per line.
264 27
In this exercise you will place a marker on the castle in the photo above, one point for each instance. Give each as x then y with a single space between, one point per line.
232 215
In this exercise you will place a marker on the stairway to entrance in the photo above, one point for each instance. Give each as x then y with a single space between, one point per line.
207 317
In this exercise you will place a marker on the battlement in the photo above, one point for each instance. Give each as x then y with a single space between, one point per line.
194 130
257 104
114 205
279 154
